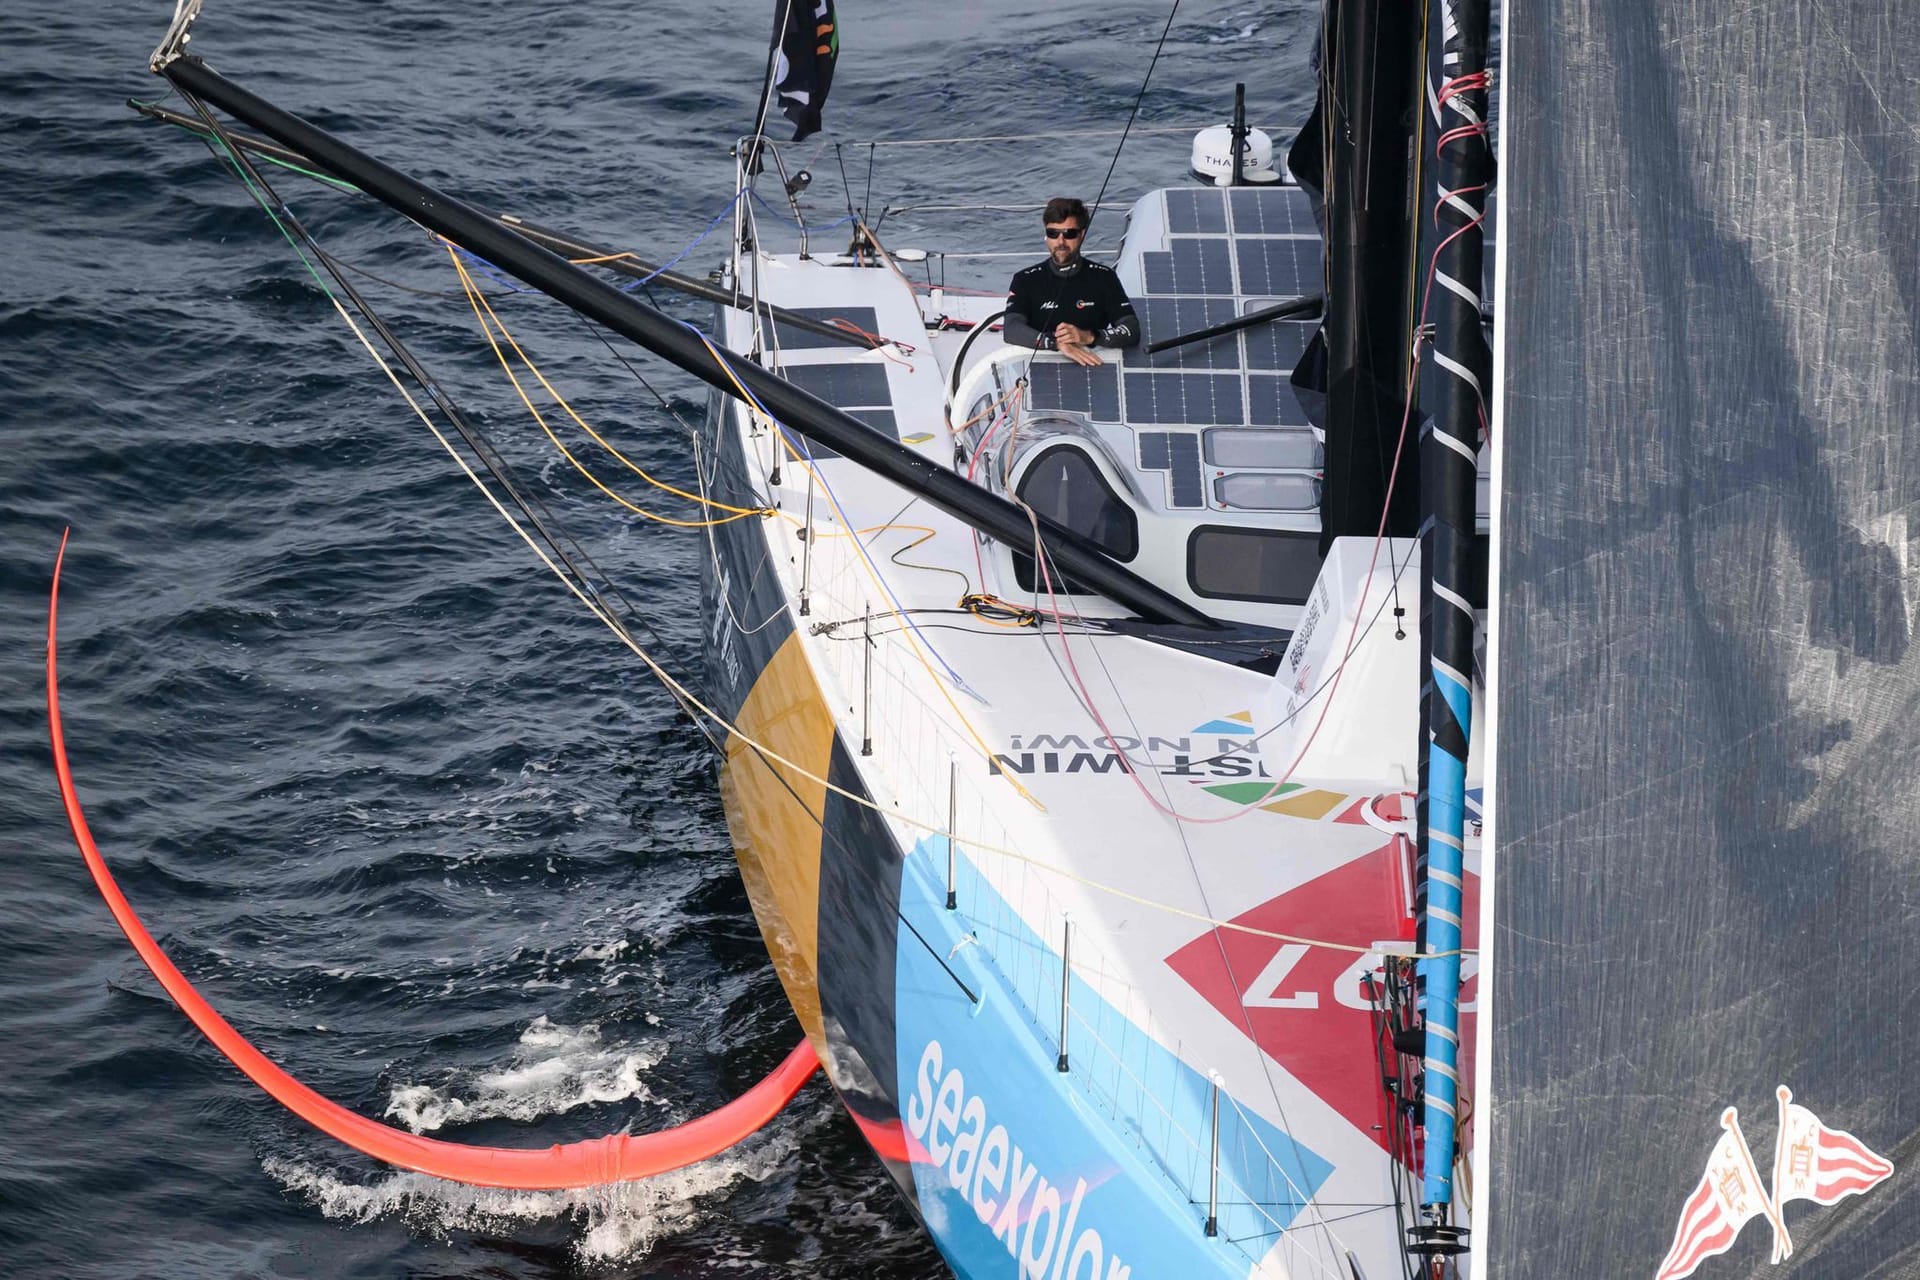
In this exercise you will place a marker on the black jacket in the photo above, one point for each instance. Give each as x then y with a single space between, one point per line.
1086 294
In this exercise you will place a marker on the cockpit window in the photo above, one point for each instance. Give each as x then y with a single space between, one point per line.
1271 566
1064 485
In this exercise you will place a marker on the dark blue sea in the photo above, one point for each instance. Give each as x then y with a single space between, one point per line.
403 811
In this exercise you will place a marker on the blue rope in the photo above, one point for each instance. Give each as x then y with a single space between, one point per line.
767 205
657 272
488 270
494 273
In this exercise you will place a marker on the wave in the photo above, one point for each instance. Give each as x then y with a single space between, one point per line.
613 1223
555 1069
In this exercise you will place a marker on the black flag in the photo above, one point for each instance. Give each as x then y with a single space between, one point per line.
806 42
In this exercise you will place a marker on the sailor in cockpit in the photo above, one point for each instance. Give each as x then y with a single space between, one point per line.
1066 303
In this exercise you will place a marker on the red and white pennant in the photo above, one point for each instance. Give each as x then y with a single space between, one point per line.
1810 1162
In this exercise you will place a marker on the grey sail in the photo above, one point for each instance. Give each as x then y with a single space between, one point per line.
1708 819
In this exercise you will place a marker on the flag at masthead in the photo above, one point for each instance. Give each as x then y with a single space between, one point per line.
806 44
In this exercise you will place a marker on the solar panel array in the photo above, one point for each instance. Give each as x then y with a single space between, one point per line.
858 388
1229 252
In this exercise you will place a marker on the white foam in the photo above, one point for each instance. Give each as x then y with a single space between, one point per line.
554 1069
618 1222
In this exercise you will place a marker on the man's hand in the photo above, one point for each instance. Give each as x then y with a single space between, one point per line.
1075 344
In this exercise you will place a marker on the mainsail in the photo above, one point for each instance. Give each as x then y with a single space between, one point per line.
1707 882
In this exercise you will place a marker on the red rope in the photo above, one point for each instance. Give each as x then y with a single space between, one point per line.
597 1161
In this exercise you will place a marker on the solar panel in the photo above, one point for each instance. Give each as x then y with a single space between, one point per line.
1271 402
1177 452
1272 211
1155 453
1278 268
1194 264
1186 470
1191 209
1072 388
846 387
881 420
1171 317
1198 399
791 339
1278 345
841 385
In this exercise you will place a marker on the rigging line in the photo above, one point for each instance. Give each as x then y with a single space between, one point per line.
1180 827
804 456
486 268
866 201
704 715
675 522
767 206
478 300
1332 686
1137 98
296 234
917 643
677 258
692 706
584 591
598 333
846 183
722 598
1023 137
302 170
773 55
927 533
336 260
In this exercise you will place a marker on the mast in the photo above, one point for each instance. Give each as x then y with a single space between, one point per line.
1450 444
1369 112
1079 557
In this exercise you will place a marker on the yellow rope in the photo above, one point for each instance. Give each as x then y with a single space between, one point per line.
561 400
866 562
482 310
692 703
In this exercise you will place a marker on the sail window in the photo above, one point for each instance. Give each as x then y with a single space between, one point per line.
1064 485
1270 566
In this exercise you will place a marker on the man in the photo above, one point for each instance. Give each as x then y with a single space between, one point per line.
1068 304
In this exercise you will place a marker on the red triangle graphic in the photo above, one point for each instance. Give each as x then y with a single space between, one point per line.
1303 1005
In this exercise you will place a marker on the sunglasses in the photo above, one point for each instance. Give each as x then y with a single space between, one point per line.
1064 233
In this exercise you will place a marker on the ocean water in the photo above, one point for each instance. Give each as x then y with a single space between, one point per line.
405 813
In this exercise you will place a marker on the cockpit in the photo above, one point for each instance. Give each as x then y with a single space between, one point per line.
1196 465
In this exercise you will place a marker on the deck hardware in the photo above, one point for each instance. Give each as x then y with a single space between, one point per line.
1213 1169
866 682
953 822
1066 983
806 552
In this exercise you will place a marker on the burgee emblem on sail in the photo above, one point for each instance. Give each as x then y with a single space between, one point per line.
1810 1162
